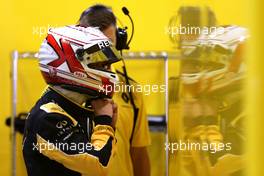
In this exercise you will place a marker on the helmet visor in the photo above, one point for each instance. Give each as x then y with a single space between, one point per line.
102 59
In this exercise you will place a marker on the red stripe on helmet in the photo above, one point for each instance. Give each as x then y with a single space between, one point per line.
65 53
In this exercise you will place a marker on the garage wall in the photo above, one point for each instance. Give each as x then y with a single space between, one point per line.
23 24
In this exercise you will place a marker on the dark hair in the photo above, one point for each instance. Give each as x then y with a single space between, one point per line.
98 16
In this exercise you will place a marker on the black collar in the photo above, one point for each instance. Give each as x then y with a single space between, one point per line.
76 111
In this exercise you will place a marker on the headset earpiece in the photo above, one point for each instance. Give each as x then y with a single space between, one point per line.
121 38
